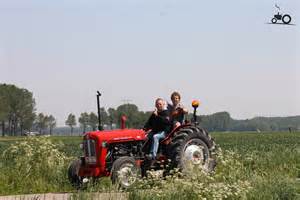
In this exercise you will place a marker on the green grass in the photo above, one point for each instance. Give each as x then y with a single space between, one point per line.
270 163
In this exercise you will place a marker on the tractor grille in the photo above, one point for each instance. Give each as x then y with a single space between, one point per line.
89 147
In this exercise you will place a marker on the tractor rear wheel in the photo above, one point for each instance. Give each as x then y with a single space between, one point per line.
125 172
73 173
192 147
286 19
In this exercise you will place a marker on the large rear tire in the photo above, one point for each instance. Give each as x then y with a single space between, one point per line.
125 172
73 170
192 147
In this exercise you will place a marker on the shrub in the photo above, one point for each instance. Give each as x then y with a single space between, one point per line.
33 165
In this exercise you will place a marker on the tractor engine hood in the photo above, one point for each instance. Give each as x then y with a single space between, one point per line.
121 135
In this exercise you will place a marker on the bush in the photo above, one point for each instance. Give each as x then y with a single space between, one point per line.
33 165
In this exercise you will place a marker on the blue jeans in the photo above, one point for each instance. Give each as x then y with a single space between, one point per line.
155 143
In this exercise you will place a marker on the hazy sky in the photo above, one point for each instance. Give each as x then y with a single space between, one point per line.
221 52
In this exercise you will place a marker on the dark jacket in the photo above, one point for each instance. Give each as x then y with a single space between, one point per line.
159 123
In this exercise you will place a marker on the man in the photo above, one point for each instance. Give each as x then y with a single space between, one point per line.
176 110
159 123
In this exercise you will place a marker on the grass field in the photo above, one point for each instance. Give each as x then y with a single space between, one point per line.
268 162
272 162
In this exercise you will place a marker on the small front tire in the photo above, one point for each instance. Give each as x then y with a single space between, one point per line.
73 176
125 172
274 20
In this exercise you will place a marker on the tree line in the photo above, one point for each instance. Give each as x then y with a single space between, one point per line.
110 118
18 116
220 121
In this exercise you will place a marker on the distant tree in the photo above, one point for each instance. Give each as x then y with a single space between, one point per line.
216 122
71 121
93 121
104 116
46 118
112 117
27 122
3 110
51 123
135 118
131 112
17 109
84 121
41 122
220 121
26 108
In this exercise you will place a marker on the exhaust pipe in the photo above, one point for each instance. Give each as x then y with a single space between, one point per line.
100 127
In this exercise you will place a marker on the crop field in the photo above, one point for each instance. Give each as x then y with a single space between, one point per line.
250 166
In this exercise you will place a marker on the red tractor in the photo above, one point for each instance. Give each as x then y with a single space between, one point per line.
121 154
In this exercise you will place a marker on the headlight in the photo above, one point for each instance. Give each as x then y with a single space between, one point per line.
81 146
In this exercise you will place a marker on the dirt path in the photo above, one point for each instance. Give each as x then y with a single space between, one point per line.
67 196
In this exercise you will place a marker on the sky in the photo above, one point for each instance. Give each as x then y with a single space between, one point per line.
223 53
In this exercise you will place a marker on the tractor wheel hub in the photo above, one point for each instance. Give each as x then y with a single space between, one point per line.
127 175
193 154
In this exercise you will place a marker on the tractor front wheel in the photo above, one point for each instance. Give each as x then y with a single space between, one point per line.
73 170
274 20
125 172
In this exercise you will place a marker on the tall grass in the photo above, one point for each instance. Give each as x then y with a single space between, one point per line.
33 165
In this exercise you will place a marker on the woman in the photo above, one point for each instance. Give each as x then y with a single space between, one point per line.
177 110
